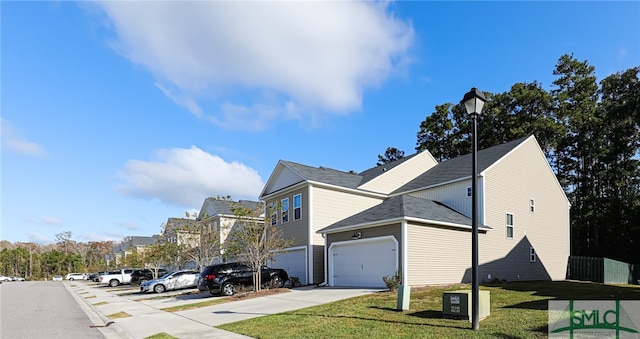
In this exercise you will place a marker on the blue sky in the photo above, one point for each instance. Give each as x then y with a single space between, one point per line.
119 115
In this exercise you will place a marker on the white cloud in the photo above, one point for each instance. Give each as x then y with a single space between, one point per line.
13 142
97 237
38 238
316 56
185 177
114 236
130 226
191 213
46 220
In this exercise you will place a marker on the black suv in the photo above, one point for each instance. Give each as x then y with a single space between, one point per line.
221 279
140 276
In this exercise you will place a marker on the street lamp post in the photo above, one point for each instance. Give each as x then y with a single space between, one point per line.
473 102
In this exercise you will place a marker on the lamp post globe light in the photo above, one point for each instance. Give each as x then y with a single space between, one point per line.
473 102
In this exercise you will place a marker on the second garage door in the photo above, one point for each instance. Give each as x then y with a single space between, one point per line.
363 263
294 261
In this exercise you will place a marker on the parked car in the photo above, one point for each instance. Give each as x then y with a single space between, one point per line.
222 278
57 278
95 277
117 277
140 276
16 278
75 276
3 278
172 281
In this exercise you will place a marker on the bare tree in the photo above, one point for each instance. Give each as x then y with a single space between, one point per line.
254 240
202 244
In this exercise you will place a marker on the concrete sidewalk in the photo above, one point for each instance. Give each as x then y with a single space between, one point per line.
147 317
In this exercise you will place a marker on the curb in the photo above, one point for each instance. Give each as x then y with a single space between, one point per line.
106 326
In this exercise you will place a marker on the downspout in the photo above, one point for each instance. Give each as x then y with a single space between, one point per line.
404 265
326 260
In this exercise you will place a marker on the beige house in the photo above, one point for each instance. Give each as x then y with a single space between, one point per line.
217 215
412 216
130 245
181 231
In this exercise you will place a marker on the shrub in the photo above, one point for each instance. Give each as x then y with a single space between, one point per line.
392 281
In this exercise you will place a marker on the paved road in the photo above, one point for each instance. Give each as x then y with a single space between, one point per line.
42 309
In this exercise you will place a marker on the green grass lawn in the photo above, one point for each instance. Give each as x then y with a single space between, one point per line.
518 310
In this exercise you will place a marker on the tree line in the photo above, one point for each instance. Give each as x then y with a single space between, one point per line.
252 239
36 261
590 134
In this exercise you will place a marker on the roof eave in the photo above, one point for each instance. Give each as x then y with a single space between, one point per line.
401 219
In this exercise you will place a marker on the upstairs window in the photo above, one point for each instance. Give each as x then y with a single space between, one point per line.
532 205
297 207
274 215
509 225
532 255
284 212
469 191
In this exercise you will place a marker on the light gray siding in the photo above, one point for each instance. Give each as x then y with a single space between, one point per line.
283 177
454 195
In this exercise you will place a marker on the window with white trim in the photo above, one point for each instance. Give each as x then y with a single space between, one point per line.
274 215
532 255
284 211
532 205
297 207
509 225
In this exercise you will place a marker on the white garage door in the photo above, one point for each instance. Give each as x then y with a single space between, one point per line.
363 263
294 262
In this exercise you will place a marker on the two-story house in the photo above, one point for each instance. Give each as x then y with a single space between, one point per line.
312 198
181 231
218 216
412 216
130 245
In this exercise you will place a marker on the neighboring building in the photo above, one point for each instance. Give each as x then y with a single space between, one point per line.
218 215
131 244
181 231
413 216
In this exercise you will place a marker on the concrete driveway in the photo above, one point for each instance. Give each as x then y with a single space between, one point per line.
147 317
295 299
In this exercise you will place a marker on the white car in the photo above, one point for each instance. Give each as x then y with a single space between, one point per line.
3 278
172 281
57 278
75 276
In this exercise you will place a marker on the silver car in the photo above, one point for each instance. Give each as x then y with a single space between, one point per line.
172 281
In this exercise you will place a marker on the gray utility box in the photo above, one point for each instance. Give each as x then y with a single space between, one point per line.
457 304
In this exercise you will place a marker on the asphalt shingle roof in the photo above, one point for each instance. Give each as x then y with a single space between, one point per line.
326 175
341 178
135 240
404 206
225 207
459 167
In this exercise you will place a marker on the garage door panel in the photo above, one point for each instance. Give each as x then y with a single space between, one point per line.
363 263
294 262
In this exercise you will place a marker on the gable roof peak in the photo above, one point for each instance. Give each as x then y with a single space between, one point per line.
459 167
